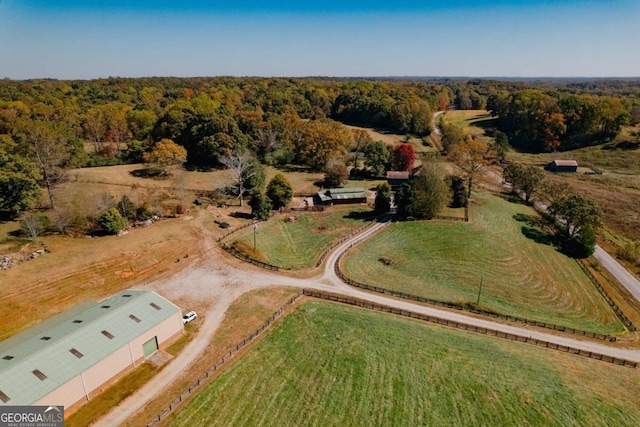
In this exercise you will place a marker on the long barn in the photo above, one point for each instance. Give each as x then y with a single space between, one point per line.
70 358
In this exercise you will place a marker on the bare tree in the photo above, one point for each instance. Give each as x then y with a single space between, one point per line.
49 147
241 169
268 140
32 225
62 218
95 128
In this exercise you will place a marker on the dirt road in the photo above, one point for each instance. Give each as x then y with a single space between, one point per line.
216 283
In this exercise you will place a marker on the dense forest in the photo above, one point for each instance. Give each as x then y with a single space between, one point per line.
47 126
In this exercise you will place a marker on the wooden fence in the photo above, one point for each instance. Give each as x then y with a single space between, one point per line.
466 326
387 309
272 267
623 318
459 306
342 240
245 258
275 316
230 232
455 218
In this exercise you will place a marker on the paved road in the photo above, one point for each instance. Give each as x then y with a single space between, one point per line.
623 276
222 280
617 270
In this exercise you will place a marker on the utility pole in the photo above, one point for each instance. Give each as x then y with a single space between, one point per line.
255 227
480 290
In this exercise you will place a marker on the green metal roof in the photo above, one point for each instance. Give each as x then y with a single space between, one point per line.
347 193
47 346
323 197
333 191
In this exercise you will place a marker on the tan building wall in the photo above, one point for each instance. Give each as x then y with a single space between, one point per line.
107 368
94 380
67 394
166 331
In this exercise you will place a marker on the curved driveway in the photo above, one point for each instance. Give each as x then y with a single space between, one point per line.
219 283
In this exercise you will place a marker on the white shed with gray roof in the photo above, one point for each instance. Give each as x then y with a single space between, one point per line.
71 357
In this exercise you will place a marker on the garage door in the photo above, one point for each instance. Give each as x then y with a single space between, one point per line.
150 346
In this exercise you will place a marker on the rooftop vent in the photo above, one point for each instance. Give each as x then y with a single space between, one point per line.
107 334
40 375
76 353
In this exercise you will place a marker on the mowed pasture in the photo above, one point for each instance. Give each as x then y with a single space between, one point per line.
394 139
301 180
298 244
331 365
616 191
472 122
522 274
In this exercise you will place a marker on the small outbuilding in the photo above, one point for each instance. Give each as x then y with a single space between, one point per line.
563 166
398 178
340 196
70 358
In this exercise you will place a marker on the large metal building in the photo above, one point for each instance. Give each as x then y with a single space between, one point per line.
70 358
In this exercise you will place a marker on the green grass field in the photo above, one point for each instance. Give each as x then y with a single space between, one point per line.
299 244
331 365
445 260
470 121
616 191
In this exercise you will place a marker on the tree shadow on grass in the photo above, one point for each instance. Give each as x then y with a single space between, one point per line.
360 215
17 233
537 235
150 173
533 229
513 198
243 215
623 145
485 121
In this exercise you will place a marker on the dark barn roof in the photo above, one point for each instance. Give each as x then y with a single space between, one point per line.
341 195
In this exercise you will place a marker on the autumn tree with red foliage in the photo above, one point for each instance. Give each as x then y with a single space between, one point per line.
403 157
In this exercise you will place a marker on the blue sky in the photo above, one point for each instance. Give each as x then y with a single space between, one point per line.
87 39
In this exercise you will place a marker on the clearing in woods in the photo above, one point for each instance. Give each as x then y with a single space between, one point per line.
327 364
524 275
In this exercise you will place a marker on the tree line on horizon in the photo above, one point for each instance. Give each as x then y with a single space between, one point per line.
48 126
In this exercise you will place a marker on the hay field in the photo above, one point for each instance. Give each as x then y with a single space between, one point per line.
523 276
331 365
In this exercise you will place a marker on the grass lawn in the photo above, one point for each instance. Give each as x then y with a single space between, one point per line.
244 316
298 244
8 242
445 260
472 122
100 405
616 191
121 175
330 365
